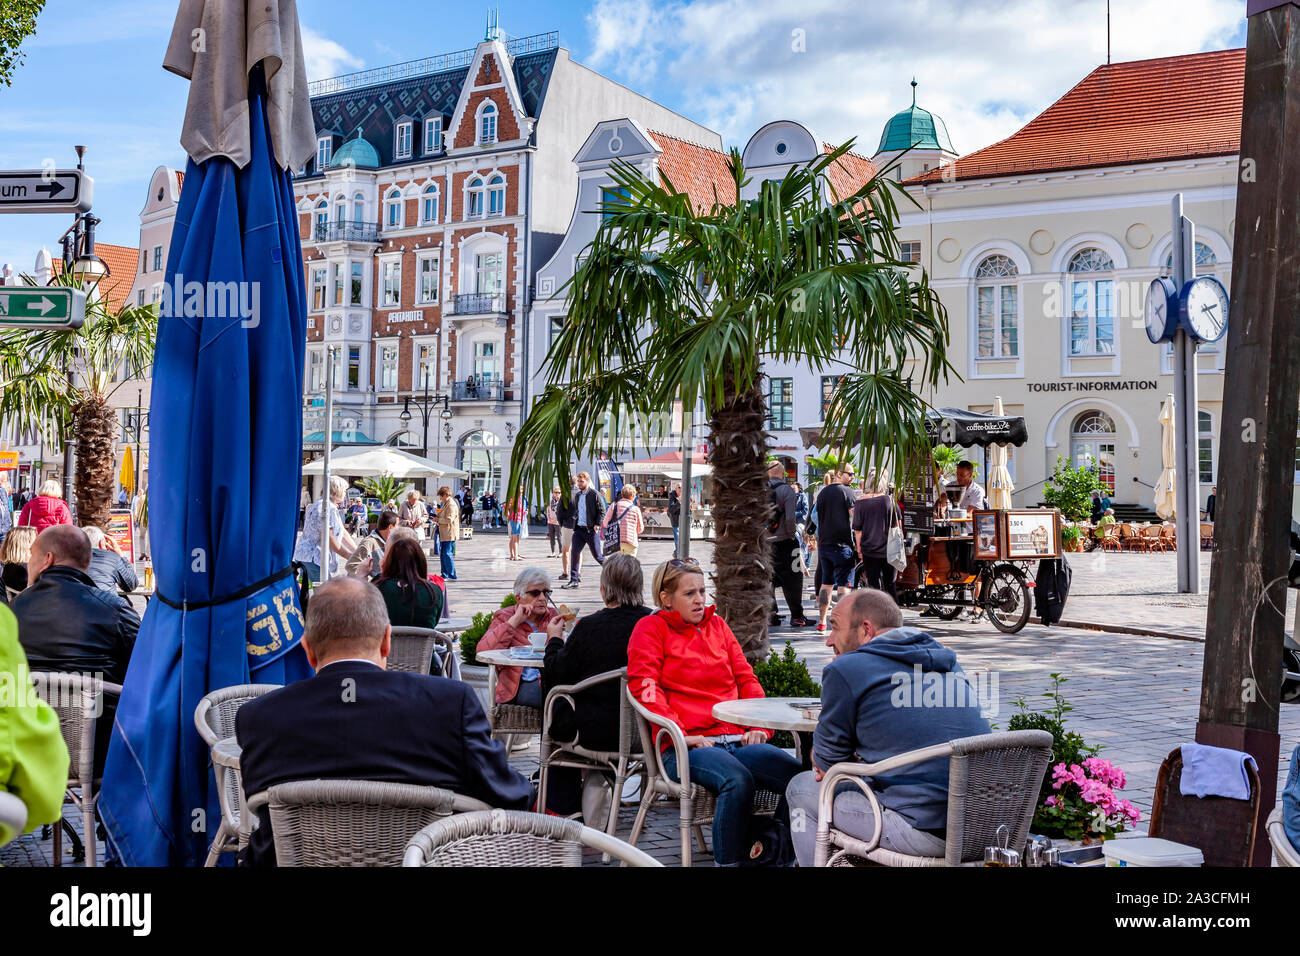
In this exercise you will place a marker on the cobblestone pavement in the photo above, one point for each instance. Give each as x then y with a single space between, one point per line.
1136 695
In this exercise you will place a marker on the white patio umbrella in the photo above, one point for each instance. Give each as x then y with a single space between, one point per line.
1000 486
372 462
1167 483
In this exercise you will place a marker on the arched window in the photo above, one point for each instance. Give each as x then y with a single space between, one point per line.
358 209
1206 260
1205 446
1092 444
340 210
322 218
393 208
1092 303
487 123
480 455
996 297
429 204
497 196
474 188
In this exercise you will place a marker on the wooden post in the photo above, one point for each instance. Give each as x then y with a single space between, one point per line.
1241 682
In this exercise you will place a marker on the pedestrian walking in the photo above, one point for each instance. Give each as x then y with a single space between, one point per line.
46 509
801 524
553 522
784 543
627 516
1210 503
412 514
517 516
6 508
466 507
567 514
589 511
674 516
449 513
874 514
308 551
834 542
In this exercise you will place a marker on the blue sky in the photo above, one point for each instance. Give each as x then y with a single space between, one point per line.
93 71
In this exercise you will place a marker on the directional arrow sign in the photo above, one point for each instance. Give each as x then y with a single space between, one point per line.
45 190
42 307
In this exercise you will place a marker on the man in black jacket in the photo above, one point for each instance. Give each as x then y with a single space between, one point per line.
589 509
356 720
674 515
784 541
108 568
597 645
566 512
67 624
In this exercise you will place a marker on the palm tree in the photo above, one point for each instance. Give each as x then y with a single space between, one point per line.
676 303
385 487
61 380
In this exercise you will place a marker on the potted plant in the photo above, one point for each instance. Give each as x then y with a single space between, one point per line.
1070 489
785 675
1077 800
471 671
1072 537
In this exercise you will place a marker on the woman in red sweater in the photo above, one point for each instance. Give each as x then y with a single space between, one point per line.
680 662
47 508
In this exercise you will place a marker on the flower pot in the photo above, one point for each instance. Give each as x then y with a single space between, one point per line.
476 675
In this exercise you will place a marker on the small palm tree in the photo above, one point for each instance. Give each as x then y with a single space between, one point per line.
61 380
675 303
386 488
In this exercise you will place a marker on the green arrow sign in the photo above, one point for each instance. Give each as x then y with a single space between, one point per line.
42 308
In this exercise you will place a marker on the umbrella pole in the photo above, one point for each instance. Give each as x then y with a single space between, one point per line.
328 435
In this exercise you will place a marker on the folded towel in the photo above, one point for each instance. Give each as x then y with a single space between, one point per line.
1215 772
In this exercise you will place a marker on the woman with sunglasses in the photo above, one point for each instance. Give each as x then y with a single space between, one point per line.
513 627
682 660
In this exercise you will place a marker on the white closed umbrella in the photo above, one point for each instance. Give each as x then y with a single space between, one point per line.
372 462
1000 485
1167 484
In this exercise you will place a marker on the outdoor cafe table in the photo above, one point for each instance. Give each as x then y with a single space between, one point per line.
453 625
776 713
501 657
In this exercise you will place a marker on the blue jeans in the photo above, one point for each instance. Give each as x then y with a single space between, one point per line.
733 773
837 562
447 555
529 694
676 532
1291 802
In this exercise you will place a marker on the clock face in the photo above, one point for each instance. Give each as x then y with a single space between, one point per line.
1160 317
1205 309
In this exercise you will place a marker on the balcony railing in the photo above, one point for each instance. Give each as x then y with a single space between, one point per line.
346 231
478 389
476 303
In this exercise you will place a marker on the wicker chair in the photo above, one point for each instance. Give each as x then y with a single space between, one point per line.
1207 535
1169 537
993 779
696 804
352 822
514 838
1110 538
413 649
510 720
1154 535
13 816
1284 853
78 700
1223 829
621 763
215 720
1130 538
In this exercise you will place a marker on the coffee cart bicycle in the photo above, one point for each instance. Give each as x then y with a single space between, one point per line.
958 561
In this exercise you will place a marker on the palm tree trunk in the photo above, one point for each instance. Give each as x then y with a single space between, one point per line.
742 557
96 431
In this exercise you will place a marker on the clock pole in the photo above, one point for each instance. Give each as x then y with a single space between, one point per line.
1242 679
1187 492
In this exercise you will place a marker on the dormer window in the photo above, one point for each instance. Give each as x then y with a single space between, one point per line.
402 141
487 124
497 196
324 152
393 208
433 134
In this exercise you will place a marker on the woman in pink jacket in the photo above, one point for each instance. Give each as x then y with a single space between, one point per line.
630 521
514 626
46 509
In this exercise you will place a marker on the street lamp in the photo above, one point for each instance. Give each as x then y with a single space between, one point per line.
425 406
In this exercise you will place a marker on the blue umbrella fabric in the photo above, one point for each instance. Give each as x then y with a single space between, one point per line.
224 485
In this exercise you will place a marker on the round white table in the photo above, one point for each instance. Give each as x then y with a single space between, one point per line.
501 657
453 625
775 713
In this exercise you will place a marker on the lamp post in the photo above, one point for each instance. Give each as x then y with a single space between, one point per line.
425 405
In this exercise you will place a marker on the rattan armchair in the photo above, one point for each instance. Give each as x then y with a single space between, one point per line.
413 649
695 803
214 718
514 838
993 779
13 816
352 822
78 700
1284 852
621 763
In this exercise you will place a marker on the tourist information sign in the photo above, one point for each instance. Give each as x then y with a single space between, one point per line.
41 307
45 190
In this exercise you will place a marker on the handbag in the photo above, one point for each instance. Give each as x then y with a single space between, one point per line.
611 535
896 547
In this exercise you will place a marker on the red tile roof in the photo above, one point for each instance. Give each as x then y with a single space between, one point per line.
849 172
1145 111
122 262
180 180
700 172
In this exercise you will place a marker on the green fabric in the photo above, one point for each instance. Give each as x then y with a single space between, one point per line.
33 757
403 612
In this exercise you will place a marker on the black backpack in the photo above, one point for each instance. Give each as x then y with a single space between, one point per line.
778 509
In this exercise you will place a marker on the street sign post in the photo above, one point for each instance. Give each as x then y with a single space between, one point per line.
45 190
41 307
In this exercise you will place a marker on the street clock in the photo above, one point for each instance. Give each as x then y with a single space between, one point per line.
1203 309
1161 310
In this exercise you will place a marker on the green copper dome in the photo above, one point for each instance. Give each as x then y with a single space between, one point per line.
356 153
915 128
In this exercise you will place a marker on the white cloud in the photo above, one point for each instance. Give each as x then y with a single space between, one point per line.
984 66
325 58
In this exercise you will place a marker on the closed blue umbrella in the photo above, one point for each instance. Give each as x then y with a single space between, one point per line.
224 481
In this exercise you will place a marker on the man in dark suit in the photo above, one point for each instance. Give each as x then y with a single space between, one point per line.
69 625
357 720
588 510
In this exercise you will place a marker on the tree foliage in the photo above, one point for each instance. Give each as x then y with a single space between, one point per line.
17 23
1070 489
